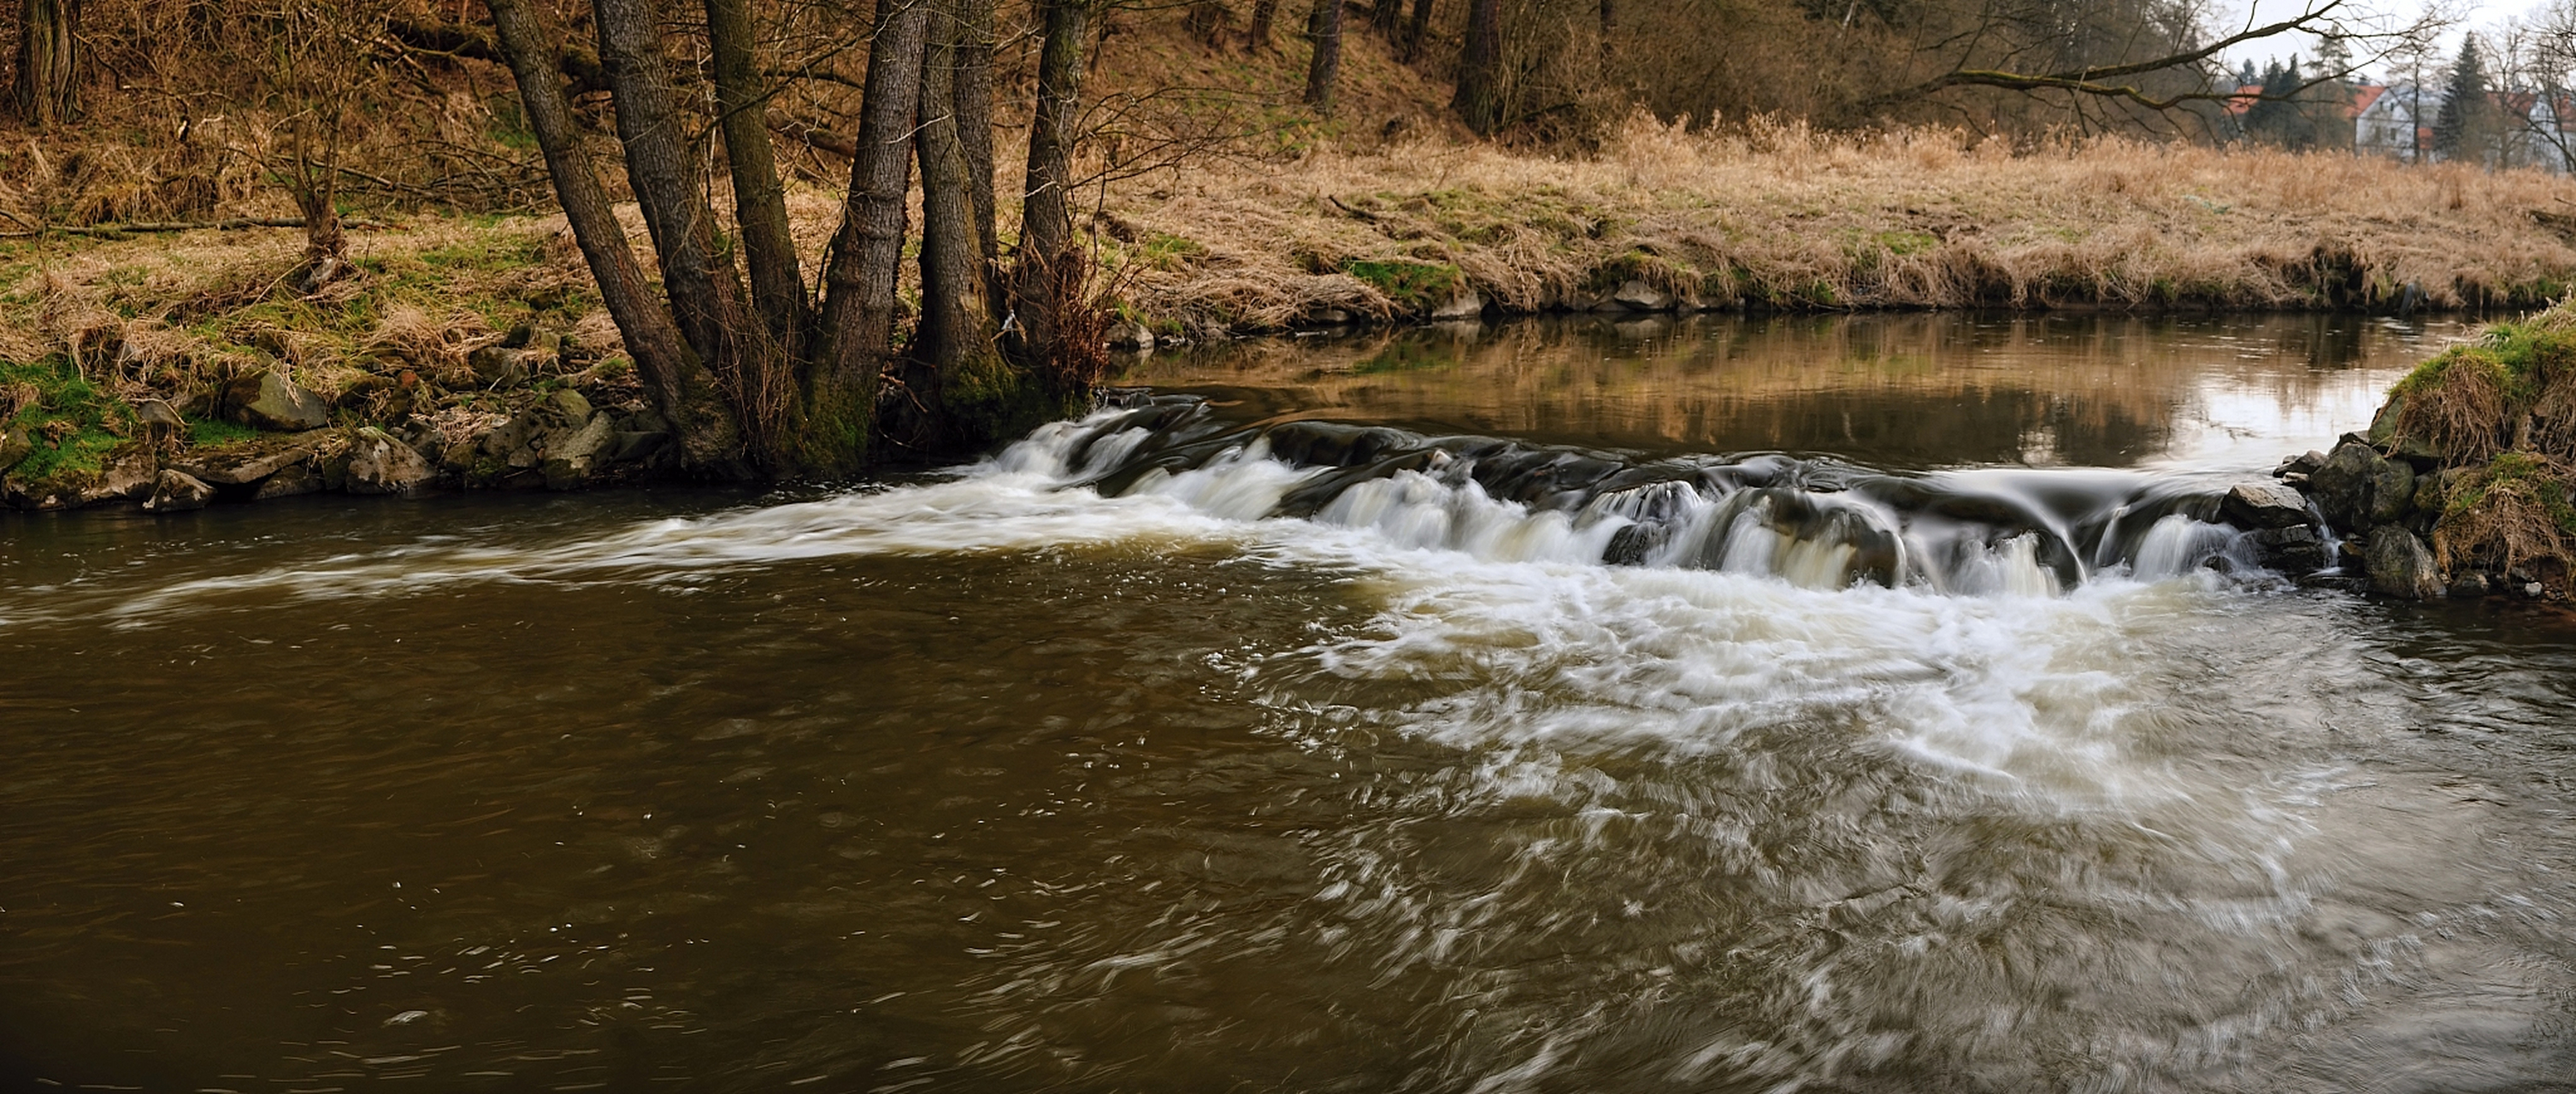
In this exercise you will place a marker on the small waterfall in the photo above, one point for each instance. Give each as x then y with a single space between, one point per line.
1814 523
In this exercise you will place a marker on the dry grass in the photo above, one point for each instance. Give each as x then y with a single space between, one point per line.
1782 217
2511 515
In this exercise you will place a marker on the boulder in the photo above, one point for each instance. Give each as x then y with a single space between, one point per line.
1468 304
271 401
177 491
2357 487
1638 296
2259 505
2400 565
570 459
14 447
381 464
1131 336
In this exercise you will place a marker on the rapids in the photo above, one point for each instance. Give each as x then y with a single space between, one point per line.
1200 744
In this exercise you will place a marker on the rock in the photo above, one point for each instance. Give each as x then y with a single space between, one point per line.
271 401
1468 304
129 474
159 414
568 407
504 366
630 445
1131 336
2295 550
293 479
2257 505
14 447
1639 296
177 491
241 465
380 464
569 459
2358 488
2304 464
2400 565
2471 585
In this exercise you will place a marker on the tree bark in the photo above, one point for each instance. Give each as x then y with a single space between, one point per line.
1387 17
1258 38
974 53
867 252
48 85
681 387
1323 67
972 386
1609 27
1046 258
1479 97
1416 31
759 201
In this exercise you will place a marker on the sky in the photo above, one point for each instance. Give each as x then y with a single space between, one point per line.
2484 18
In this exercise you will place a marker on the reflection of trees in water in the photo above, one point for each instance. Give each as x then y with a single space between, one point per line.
1909 388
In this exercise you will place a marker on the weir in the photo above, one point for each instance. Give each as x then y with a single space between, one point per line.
1818 523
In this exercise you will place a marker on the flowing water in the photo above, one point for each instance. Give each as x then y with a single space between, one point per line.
1852 704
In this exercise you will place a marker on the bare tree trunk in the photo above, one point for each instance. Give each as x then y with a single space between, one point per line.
977 392
1258 38
1387 17
1479 97
1609 28
1046 258
867 251
1417 30
759 201
705 293
1322 68
681 387
975 120
48 85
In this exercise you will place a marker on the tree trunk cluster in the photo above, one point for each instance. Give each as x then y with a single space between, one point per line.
762 371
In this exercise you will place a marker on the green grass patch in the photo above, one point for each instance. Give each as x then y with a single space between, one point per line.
210 432
72 422
1415 286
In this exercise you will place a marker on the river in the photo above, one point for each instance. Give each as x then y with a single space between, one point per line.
1843 703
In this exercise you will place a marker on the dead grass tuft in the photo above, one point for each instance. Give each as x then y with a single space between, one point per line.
2456 404
2512 514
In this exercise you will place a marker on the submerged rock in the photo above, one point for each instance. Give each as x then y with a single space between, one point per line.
177 491
2260 505
2400 565
381 464
271 401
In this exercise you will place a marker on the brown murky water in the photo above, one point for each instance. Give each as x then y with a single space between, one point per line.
988 782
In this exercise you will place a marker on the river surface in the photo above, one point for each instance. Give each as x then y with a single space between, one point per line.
1841 704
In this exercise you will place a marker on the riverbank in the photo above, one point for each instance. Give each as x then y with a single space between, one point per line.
477 353
1781 218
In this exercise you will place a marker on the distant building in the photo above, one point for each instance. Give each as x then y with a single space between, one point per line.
2394 120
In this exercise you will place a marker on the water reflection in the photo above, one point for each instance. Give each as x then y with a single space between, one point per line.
1893 390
